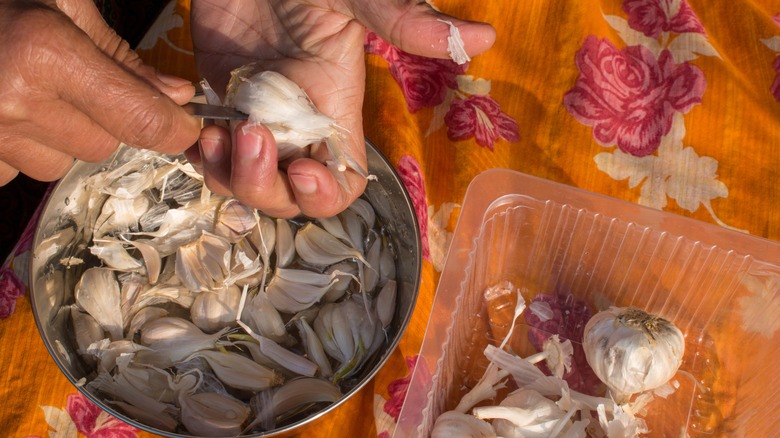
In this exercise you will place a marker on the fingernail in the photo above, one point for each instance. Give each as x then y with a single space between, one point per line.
249 145
211 149
305 184
173 81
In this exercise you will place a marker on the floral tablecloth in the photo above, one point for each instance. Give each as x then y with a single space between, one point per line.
673 104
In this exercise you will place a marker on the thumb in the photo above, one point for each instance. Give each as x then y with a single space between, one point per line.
415 27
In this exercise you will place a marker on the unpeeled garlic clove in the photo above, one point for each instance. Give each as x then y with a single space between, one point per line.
293 290
208 413
262 318
215 310
285 243
318 247
234 220
97 292
239 372
205 263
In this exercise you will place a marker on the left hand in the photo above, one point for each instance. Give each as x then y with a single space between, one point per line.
319 45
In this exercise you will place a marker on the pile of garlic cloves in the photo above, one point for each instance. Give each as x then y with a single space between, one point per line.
635 354
203 316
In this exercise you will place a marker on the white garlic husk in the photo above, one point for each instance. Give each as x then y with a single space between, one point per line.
632 351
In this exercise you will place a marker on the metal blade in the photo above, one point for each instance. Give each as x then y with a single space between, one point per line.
206 111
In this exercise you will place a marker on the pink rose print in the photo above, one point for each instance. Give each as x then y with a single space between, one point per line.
628 96
652 17
424 81
397 389
480 117
11 288
93 422
412 177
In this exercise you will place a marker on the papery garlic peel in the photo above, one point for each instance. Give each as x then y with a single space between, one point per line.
632 351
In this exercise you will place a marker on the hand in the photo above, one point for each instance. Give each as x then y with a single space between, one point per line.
73 88
319 45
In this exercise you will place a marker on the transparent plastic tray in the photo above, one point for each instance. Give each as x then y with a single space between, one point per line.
720 287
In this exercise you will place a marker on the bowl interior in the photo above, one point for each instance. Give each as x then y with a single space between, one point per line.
60 240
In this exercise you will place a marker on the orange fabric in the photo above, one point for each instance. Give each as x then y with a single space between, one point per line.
726 168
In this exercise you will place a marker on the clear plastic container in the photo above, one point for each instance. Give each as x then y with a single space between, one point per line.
720 287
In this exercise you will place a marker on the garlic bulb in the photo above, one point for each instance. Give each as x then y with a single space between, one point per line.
632 351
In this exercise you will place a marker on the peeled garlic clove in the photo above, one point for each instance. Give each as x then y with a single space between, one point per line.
214 311
632 351
97 292
318 247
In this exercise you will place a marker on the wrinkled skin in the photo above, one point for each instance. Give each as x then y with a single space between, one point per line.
319 45
72 88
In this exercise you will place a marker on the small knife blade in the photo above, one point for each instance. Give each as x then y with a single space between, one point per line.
206 111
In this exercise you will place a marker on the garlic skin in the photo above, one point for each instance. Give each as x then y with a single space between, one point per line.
632 351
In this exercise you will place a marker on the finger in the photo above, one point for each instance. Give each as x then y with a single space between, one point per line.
33 159
86 16
255 179
318 192
414 27
75 134
7 173
215 149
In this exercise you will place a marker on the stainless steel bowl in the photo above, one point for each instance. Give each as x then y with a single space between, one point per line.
52 283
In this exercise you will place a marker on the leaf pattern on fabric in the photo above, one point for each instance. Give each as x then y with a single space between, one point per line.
480 117
60 423
676 172
459 101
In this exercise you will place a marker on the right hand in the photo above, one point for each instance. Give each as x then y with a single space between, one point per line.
72 88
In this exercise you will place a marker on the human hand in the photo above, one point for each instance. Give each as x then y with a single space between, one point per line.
319 45
73 88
